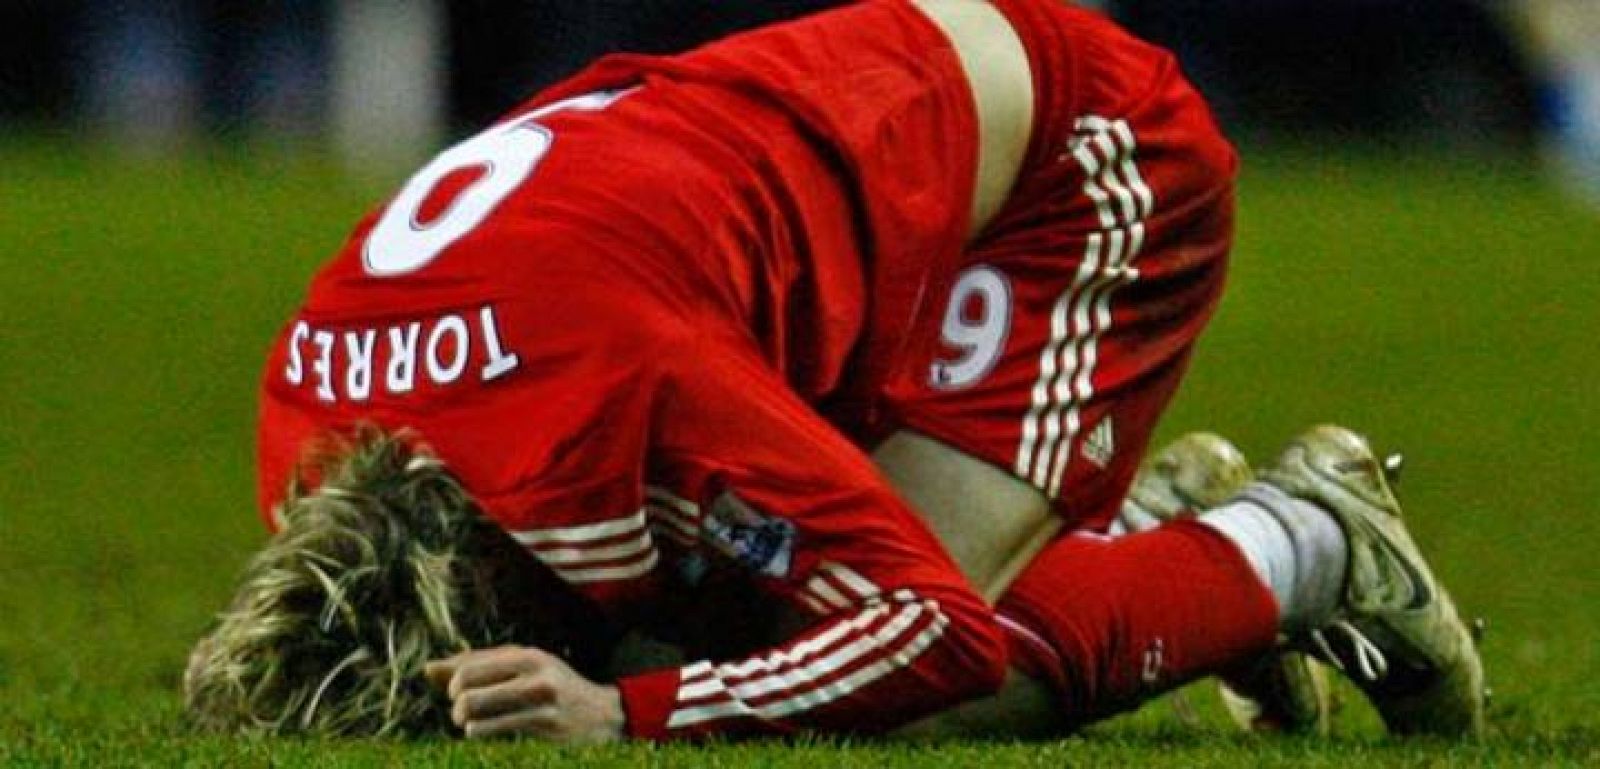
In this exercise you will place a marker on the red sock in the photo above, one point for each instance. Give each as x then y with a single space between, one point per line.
1109 623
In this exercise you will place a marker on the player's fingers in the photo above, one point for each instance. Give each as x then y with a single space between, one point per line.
520 693
534 721
472 674
439 672
491 666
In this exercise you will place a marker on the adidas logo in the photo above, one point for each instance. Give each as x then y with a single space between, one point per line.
1101 445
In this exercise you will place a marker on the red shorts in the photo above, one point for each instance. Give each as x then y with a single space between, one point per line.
1052 350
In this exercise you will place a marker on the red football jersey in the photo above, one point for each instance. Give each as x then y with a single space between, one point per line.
608 315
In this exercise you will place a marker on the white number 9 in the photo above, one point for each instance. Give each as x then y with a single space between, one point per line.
399 243
976 323
507 154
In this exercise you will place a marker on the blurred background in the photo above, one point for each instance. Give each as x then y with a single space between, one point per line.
1418 256
381 81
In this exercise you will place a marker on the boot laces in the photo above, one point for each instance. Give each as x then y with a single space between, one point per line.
1369 660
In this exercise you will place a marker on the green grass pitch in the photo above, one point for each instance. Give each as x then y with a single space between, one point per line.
1449 306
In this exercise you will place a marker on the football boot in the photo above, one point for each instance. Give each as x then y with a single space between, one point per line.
1396 632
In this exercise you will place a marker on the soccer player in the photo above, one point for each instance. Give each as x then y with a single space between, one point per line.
646 324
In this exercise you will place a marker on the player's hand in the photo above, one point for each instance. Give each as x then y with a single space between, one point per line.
516 690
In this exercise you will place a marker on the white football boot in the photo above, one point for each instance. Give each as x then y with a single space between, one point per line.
1284 691
1396 632
1193 473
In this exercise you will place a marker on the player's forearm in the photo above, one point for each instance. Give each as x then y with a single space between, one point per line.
870 667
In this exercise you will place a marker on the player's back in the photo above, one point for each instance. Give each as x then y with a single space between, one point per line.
732 193
880 99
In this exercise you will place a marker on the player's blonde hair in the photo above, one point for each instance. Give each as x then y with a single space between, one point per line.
377 571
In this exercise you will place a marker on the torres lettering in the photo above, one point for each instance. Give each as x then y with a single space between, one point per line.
350 364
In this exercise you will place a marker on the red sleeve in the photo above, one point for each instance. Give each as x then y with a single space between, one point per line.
899 634
880 661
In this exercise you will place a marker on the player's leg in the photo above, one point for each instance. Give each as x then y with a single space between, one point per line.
985 517
1324 533
1317 552
1283 691
1074 608
1200 476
